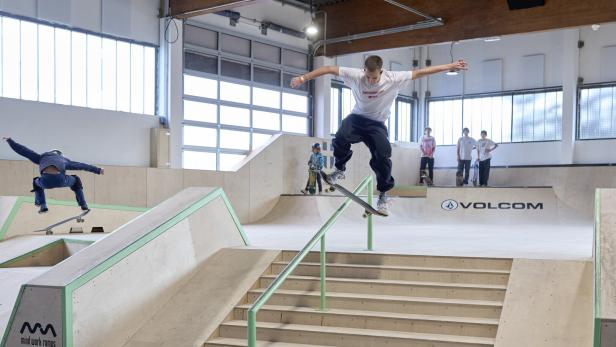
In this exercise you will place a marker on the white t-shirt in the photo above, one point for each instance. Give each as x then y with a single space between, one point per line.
483 145
466 147
374 101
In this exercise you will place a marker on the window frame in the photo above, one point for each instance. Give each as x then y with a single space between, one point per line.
218 77
510 93
102 36
578 108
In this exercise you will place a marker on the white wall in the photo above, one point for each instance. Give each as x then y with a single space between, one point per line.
563 62
83 134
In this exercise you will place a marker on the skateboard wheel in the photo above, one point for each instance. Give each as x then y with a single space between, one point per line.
49 232
80 220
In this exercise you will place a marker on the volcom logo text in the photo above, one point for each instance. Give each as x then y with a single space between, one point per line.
450 205
38 326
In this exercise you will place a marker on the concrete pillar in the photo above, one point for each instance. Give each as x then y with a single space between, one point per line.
570 73
322 102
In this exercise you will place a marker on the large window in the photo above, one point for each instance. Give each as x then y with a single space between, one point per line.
400 122
47 63
597 112
236 96
520 116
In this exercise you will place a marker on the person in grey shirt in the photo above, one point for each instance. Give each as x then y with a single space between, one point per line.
465 147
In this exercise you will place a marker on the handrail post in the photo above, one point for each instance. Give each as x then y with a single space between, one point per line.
370 200
323 257
252 329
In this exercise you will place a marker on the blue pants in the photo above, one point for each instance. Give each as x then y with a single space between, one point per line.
50 181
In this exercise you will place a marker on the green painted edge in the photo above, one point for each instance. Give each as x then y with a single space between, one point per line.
13 313
28 199
597 265
82 242
67 314
9 219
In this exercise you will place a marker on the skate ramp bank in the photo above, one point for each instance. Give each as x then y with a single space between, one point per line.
101 296
19 216
605 269
548 303
440 206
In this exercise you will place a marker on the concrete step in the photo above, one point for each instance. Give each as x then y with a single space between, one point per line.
462 326
392 287
385 303
400 273
229 342
405 260
348 337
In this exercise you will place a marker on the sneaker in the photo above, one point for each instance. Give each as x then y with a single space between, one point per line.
85 208
335 176
43 209
383 204
304 191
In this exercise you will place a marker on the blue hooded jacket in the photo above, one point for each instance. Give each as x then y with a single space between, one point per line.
48 159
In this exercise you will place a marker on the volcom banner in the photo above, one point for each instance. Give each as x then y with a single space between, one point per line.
452 205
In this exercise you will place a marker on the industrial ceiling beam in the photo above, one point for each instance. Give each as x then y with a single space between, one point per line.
191 8
463 20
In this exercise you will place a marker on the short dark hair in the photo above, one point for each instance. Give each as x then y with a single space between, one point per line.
373 63
484 132
466 129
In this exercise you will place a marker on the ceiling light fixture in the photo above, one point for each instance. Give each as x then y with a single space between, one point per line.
595 27
492 39
311 30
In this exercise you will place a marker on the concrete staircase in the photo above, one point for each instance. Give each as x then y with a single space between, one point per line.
377 300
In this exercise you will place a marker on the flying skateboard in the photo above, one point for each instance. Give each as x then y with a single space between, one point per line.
368 209
78 218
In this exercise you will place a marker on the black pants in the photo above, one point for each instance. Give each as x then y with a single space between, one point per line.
355 129
484 172
429 162
318 182
466 166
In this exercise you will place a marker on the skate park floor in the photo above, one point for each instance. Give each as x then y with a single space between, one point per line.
413 228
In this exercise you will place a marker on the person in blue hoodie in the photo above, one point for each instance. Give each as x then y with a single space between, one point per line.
316 162
53 166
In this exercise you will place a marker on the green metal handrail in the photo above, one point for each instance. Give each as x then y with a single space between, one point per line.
319 236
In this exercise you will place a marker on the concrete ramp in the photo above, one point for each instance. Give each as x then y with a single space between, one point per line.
19 216
101 297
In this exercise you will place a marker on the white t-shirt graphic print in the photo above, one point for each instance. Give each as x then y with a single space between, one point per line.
374 101
483 146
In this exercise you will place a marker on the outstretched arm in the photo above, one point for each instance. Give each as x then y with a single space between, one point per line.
455 66
23 150
75 165
324 70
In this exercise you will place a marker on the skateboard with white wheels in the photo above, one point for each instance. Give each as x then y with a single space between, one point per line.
476 173
78 218
368 210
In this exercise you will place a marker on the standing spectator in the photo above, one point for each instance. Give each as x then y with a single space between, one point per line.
485 146
428 147
465 147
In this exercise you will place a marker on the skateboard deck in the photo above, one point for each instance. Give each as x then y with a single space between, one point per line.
367 208
312 182
476 174
79 218
426 179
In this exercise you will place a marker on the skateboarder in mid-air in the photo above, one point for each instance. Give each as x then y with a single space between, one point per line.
374 90
53 166
316 162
